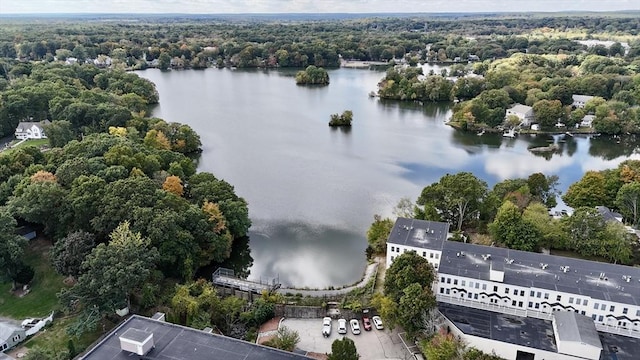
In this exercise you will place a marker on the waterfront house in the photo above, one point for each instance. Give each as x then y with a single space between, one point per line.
587 121
523 112
579 101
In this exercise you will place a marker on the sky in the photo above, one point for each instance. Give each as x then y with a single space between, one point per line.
308 6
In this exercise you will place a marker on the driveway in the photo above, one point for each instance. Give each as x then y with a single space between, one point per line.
371 345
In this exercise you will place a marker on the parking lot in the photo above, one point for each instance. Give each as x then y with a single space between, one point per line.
371 345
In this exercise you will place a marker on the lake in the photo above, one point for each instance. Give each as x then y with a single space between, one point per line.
313 190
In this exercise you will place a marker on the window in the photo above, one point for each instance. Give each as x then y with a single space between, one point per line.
625 311
637 312
455 281
506 290
530 303
442 279
484 286
532 294
393 249
477 285
495 288
519 303
600 318
431 255
424 254
558 298
595 306
537 305
441 290
539 294
570 300
437 256
585 302
392 258
447 291
603 307
546 296
463 283
470 295
470 284
448 280
521 293
475 296
513 303
593 317
582 312
612 308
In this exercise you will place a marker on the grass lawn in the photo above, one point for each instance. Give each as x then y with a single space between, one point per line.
56 337
32 142
44 287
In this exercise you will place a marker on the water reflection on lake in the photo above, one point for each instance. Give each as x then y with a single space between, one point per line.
312 190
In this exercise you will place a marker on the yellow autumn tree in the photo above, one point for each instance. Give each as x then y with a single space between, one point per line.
118 131
215 216
43 176
157 139
173 184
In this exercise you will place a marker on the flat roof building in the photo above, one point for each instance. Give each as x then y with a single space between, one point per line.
146 338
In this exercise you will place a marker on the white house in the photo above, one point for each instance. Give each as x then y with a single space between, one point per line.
10 335
580 100
587 121
523 285
31 130
523 112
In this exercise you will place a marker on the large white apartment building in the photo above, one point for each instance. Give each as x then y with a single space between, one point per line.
524 284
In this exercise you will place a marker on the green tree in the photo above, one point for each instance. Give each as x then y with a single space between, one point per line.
442 347
164 61
548 112
617 243
111 273
511 229
628 201
41 202
312 75
11 248
590 191
69 252
456 198
378 234
59 133
343 349
543 188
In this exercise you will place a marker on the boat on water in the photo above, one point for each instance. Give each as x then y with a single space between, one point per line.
511 133
481 132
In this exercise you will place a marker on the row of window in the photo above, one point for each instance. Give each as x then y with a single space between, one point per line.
424 253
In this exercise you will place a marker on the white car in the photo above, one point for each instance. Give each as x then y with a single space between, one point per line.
377 322
342 326
355 326
326 326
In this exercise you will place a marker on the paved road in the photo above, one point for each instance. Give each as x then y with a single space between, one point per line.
368 274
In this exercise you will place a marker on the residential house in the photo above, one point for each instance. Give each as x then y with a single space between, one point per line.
31 130
587 121
477 286
580 100
10 335
523 112
473 57
609 215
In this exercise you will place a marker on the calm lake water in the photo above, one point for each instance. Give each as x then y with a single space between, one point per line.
313 190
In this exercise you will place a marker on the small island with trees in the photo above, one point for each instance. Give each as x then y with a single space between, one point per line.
344 119
312 75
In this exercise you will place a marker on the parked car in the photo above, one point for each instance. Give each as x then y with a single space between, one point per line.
355 326
326 326
366 322
342 326
377 322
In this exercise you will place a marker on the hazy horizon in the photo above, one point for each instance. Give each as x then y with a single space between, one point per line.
8 7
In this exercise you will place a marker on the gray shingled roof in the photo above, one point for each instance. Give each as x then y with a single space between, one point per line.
419 233
607 214
7 330
578 328
618 283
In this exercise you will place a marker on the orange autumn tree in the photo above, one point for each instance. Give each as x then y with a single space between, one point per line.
43 176
173 184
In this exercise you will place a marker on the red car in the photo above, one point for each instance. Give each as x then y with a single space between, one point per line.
366 322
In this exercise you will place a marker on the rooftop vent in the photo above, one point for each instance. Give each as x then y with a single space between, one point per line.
602 276
508 261
460 254
564 268
139 342
486 257
543 266
626 278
